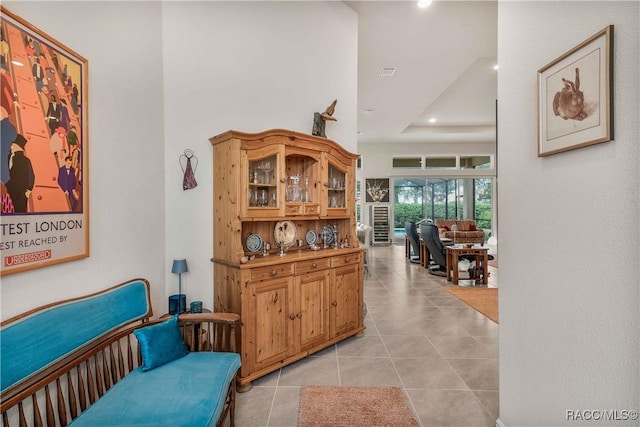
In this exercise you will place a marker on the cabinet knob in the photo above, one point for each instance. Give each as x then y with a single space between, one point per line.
335 303
299 315
274 272
347 259
292 316
314 265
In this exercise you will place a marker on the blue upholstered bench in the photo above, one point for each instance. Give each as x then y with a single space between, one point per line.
100 361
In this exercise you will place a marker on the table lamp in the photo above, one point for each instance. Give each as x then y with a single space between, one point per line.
178 303
454 228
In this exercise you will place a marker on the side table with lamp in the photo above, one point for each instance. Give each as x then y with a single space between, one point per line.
178 303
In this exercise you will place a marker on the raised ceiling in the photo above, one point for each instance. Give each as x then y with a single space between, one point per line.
444 58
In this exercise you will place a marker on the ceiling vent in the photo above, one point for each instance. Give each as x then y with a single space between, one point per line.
387 72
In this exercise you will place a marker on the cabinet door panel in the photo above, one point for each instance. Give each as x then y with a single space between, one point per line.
313 313
338 182
261 175
346 312
269 322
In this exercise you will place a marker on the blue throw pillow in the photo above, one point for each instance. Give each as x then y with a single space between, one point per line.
160 343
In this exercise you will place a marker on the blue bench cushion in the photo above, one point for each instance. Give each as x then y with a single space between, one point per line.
189 391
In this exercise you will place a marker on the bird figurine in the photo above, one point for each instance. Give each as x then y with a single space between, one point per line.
320 119
328 113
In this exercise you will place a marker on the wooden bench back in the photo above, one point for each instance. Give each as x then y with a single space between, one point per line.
37 345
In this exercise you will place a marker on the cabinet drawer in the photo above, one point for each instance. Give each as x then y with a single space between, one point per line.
312 209
271 272
337 261
312 265
293 209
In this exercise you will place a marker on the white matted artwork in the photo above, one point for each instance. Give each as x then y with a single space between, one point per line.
575 96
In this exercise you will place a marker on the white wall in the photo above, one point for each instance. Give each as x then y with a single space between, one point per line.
569 228
164 78
248 66
122 42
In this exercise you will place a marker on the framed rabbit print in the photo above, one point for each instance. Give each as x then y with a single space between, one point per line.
575 96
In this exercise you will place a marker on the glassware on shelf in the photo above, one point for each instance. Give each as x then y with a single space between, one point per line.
306 193
294 190
261 172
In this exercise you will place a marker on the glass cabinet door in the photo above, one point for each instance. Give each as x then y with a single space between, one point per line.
264 188
337 179
337 198
301 188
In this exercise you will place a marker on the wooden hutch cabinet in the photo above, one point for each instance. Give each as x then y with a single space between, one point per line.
286 257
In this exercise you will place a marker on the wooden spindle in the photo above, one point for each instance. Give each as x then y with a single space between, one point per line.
121 370
73 401
22 418
105 370
62 405
129 353
92 385
81 390
98 374
113 366
37 417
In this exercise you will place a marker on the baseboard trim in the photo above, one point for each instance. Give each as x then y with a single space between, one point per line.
499 423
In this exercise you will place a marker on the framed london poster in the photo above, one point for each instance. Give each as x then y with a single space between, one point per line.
44 152
575 106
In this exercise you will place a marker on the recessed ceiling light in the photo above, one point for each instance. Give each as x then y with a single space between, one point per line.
423 4
368 112
387 71
495 67
432 120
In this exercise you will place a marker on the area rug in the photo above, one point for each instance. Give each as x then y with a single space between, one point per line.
322 406
482 299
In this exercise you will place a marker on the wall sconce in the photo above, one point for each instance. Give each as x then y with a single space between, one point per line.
178 303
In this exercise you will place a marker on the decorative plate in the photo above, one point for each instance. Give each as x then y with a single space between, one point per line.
254 242
285 233
311 237
327 230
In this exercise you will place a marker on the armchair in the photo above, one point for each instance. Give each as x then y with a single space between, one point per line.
435 246
412 234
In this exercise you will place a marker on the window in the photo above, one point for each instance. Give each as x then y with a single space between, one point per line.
408 201
407 162
480 161
482 208
420 198
475 162
440 162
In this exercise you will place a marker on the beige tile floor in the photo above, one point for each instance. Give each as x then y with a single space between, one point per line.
419 337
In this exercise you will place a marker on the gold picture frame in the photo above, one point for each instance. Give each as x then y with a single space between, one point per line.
575 96
44 154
